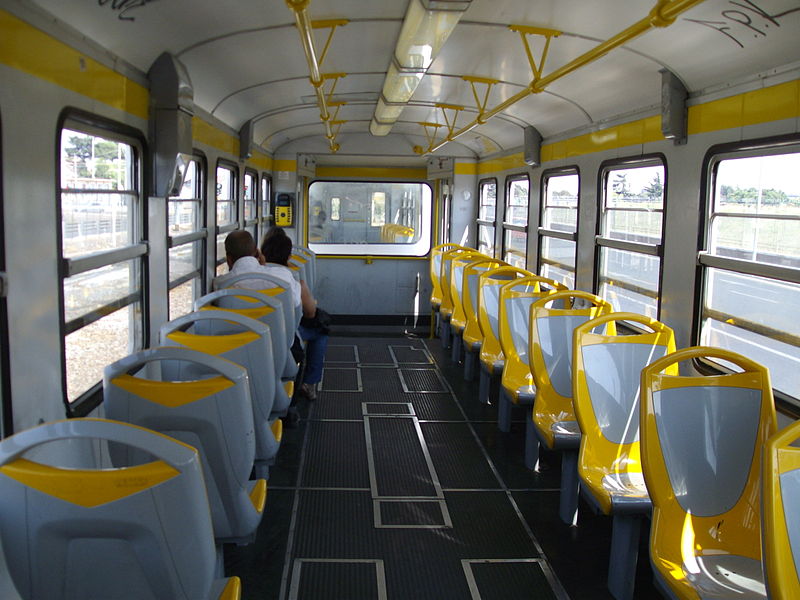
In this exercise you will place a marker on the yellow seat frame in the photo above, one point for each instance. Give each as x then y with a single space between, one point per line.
680 541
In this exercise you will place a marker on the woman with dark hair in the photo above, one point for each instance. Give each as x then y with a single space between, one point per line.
276 248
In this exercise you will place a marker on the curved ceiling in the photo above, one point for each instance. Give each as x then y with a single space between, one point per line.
246 61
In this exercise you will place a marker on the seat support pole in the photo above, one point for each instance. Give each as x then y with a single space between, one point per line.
483 386
531 443
469 365
444 332
624 555
455 355
570 486
504 411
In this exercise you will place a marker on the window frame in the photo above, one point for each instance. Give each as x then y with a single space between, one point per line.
234 225
543 232
199 235
713 157
253 222
91 124
377 249
6 414
264 203
506 226
484 222
601 241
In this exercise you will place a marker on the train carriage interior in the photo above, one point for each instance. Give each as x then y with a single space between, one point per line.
555 248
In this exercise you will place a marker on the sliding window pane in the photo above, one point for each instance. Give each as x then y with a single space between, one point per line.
629 280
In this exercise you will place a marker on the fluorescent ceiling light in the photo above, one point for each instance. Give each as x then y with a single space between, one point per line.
426 27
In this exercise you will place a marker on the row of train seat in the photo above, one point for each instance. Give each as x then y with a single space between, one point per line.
640 434
179 463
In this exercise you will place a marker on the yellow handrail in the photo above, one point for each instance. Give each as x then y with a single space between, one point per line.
663 14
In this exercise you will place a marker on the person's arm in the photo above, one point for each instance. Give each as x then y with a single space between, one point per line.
307 300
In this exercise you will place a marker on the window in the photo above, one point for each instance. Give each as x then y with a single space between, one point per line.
515 222
751 257
6 416
102 250
368 217
559 226
227 207
486 216
250 199
630 236
186 240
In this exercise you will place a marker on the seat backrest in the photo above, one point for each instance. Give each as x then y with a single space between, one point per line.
251 348
469 297
140 531
780 519
213 414
255 305
436 271
516 298
702 438
446 307
552 322
606 367
311 263
306 271
456 286
275 288
489 285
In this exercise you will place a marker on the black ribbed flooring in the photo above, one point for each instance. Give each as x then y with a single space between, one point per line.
397 484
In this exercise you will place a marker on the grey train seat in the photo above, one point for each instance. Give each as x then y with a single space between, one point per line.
250 348
140 532
213 414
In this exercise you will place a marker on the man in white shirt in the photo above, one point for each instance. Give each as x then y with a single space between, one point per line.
243 256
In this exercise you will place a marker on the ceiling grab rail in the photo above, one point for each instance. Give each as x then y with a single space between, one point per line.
662 14
306 28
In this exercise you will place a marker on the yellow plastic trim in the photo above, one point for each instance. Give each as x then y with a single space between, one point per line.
516 372
446 306
436 281
491 350
289 387
458 318
30 50
448 280
505 163
213 344
233 589
599 457
260 161
463 168
550 406
737 531
89 488
472 335
253 313
780 456
277 430
172 394
258 495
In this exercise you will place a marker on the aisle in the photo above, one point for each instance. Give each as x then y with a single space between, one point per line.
398 485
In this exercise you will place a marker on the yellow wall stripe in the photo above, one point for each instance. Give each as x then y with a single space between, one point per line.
512 161
284 165
261 161
32 51
373 172
462 168
89 488
207 134
772 103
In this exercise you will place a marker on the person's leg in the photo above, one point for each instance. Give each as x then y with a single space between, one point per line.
316 344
